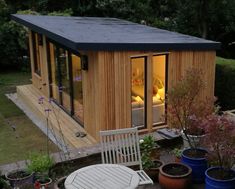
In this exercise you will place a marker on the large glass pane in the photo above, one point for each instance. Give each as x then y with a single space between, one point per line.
158 82
37 48
77 87
64 88
54 73
138 91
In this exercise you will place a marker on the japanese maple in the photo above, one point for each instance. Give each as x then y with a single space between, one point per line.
220 140
185 110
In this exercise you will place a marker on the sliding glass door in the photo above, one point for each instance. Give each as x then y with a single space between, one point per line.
64 86
77 87
65 77
53 73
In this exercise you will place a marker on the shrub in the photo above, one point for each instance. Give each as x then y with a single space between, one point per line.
40 163
224 83
13 40
147 144
220 140
185 110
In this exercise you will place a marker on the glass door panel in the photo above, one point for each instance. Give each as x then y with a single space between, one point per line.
64 88
138 91
77 87
158 82
54 73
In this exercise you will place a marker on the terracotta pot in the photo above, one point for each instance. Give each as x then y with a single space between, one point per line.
175 176
154 171
58 182
177 159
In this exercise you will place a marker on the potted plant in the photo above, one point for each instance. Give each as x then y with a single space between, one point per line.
220 142
148 157
59 184
147 144
177 154
19 177
175 176
185 113
40 164
3 183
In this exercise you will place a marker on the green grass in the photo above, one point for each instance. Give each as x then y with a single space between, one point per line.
16 145
223 61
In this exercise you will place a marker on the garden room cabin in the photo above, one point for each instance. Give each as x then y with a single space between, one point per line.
107 73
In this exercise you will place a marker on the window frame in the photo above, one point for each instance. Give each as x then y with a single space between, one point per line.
37 42
147 58
145 89
166 87
59 102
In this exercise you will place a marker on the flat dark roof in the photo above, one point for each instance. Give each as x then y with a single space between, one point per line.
93 33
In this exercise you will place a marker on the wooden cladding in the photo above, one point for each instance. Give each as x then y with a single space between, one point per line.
180 62
107 83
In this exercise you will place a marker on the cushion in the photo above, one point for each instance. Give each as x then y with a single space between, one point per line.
157 81
155 89
161 93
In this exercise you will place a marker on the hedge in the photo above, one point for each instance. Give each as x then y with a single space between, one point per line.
225 83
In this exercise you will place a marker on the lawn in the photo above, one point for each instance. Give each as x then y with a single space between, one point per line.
223 61
18 135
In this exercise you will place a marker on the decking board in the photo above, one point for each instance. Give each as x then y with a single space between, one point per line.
30 95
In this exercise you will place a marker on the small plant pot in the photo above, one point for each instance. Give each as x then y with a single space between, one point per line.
19 177
214 181
43 183
175 176
177 159
59 184
4 184
154 171
195 138
155 153
195 158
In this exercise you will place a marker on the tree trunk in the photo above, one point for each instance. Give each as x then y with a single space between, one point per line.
203 13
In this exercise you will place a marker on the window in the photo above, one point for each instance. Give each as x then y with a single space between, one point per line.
138 84
139 95
37 43
158 85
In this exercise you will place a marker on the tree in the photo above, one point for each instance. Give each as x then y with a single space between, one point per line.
205 18
12 40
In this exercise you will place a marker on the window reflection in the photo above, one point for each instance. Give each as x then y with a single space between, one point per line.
77 86
66 80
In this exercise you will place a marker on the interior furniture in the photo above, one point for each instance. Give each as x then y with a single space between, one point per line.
122 147
103 176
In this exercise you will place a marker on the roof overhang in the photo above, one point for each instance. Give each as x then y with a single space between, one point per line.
106 43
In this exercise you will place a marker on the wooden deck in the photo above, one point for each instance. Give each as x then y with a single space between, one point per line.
62 125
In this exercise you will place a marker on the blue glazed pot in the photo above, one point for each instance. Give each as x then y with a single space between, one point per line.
212 183
198 165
